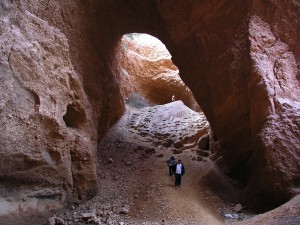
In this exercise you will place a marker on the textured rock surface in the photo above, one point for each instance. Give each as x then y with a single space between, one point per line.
46 133
250 97
274 100
169 125
144 66
240 59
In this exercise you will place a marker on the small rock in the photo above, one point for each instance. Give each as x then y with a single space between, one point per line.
167 143
199 158
55 221
100 213
150 151
110 160
87 216
178 144
109 221
128 163
230 216
203 142
238 207
177 151
124 210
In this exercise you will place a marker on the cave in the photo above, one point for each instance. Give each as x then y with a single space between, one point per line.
144 66
239 59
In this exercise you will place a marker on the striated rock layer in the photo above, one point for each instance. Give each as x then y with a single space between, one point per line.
58 94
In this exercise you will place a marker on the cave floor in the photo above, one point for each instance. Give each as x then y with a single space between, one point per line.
135 187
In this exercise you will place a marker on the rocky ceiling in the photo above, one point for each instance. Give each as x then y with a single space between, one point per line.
58 94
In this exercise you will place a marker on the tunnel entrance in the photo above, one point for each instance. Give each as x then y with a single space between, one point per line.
156 126
164 107
145 71
132 156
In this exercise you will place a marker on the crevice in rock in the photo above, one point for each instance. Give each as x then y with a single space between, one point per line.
75 115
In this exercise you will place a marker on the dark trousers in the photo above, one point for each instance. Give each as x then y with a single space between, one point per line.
177 180
171 170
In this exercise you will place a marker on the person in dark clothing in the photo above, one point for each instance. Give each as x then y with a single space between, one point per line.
179 171
171 164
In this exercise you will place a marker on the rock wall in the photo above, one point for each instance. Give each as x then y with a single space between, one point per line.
240 59
48 143
143 65
274 97
241 62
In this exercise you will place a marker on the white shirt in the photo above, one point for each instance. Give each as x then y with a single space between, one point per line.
178 168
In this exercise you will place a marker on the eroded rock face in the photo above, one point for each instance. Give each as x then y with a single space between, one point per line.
274 98
143 65
250 59
46 133
166 126
239 58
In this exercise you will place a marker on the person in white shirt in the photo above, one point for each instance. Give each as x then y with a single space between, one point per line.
179 171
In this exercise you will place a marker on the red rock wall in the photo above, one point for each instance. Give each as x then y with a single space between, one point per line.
211 48
274 93
45 113
239 58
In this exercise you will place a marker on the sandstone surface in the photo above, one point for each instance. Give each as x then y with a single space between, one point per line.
170 125
58 93
48 143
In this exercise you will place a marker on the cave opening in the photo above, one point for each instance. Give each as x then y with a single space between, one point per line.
147 74
164 107
157 126
240 61
154 127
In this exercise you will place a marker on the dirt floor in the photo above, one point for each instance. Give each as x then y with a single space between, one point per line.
135 186
134 176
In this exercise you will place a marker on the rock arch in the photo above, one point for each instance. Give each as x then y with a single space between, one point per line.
240 59
144 66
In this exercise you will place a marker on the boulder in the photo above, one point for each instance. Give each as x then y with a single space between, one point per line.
203 142
178 144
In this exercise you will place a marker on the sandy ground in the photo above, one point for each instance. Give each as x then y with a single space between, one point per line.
134 172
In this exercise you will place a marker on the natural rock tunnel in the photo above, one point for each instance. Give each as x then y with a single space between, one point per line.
143 65
240 59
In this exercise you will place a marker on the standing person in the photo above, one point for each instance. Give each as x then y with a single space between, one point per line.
171 164
173 98
179 171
